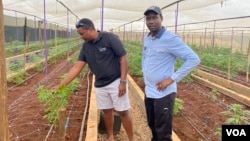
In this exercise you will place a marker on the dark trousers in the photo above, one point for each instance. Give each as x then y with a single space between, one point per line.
160 117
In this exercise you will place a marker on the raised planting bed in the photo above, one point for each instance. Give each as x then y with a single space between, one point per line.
235 90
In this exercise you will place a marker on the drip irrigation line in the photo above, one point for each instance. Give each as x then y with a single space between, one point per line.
15 119
68 117
72 105
86 107
221 103
34 87
25 94
18 137
197 130
60 66
24 81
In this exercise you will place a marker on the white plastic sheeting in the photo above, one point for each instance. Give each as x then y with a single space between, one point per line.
119 12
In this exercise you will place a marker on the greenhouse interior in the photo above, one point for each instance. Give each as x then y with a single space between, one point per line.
40 44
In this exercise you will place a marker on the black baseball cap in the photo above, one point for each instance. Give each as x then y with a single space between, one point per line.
153 8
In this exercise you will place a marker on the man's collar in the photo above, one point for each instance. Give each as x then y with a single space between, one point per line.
158 35
99 36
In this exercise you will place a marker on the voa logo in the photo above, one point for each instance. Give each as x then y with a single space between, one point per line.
236 132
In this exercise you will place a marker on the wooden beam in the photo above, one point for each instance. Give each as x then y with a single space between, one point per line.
233 94
4 128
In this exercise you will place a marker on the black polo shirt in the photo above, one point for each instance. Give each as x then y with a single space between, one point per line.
102 57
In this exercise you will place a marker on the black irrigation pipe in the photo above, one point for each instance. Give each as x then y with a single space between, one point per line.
200 91
197 130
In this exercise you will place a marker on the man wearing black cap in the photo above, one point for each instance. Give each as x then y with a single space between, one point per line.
161 48
106 57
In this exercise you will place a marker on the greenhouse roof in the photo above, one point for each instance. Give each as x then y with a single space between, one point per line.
119 12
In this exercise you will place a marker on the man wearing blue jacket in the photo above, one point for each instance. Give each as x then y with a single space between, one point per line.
161 48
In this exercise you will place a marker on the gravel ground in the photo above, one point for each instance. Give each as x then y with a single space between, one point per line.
141 130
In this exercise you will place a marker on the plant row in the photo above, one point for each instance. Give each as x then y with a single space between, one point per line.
17 47
17 67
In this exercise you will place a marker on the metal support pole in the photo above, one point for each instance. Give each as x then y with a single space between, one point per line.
176 17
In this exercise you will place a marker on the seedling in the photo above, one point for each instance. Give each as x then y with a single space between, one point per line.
237 116
55 100
178 106
214 93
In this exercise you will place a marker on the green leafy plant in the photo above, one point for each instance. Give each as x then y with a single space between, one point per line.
52 59
214 93
16 65
134 57
218 132
18 78
55 100
237 116
38 67
178 106
135 65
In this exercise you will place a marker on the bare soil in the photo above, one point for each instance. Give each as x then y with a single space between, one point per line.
198 120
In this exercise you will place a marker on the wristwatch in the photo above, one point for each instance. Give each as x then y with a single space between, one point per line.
123 81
